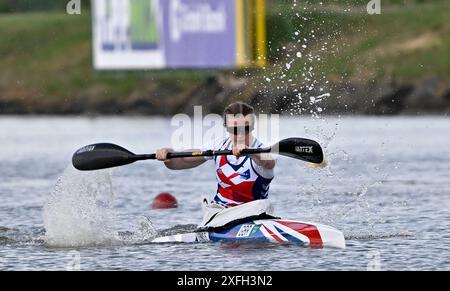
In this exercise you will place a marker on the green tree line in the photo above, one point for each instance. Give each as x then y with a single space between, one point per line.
11 6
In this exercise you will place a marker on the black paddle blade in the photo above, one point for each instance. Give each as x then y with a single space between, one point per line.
300 148
101 156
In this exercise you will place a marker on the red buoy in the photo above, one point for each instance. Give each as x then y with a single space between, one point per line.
164 200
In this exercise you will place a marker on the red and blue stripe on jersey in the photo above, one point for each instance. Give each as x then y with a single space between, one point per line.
239 183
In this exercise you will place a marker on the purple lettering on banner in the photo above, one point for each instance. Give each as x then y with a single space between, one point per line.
199 33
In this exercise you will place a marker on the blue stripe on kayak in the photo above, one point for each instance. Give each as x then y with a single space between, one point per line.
230 234
258 236
289 237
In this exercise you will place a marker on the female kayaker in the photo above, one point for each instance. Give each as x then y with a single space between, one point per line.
243 181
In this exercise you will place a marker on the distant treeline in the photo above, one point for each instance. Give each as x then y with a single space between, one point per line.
7 6
47 5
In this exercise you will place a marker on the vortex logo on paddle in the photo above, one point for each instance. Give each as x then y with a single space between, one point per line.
304 149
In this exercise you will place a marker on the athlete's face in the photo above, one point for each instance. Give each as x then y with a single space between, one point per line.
240 128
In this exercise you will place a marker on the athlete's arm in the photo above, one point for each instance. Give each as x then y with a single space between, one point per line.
264 160
178 163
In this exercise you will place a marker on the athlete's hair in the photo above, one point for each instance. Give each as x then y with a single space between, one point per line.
237 108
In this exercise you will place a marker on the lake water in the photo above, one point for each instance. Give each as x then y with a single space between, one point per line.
387 187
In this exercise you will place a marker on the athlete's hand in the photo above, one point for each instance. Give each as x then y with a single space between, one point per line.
238 148
161 154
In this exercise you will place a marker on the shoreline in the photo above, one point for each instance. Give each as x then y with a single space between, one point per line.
426 96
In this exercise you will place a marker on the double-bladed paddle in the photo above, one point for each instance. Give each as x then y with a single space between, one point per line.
107 155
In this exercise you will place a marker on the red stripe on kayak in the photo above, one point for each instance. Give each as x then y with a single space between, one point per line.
307 230
272 234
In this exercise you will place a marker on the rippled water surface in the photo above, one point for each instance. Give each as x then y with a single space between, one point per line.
387 188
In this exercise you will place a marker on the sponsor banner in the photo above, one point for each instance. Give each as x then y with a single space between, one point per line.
156 34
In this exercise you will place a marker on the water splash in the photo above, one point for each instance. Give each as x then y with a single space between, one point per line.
79 211
143 231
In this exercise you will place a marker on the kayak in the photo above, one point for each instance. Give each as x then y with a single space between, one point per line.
266 230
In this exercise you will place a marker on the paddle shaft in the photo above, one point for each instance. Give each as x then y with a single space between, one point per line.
209 153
